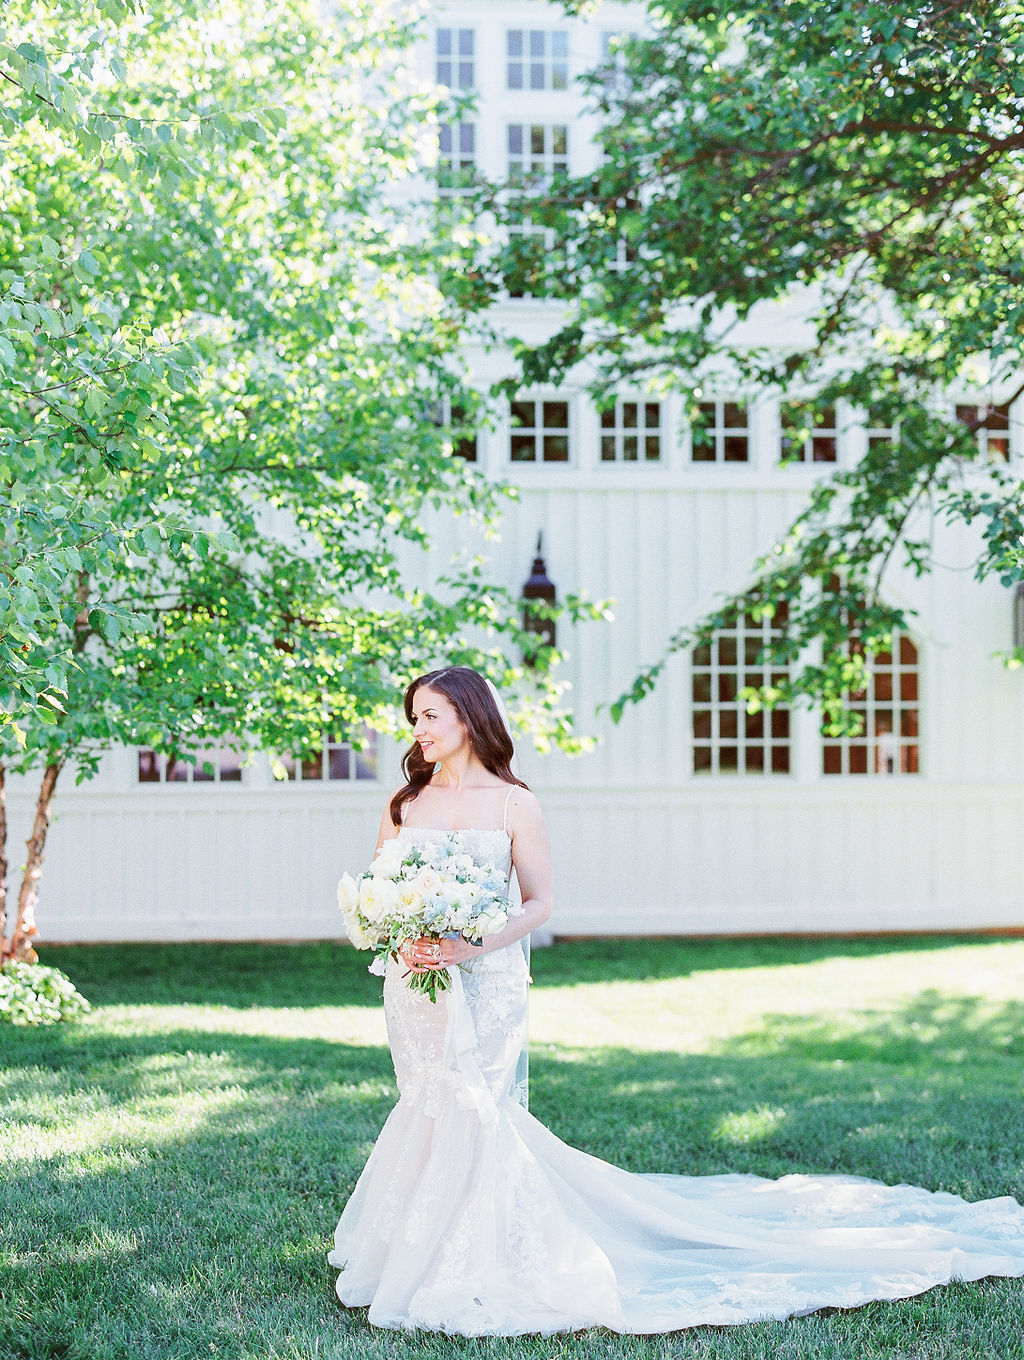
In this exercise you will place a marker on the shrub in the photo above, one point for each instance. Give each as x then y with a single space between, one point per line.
32 994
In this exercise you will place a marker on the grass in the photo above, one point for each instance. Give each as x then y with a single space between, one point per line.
173 1165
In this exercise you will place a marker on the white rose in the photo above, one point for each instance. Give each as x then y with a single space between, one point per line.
410 898
377 898
361 938
490 921
348 894
388 860
428 882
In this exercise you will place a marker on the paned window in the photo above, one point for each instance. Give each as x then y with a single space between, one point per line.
455 58
809 437
537 59
617 78
456 162
337 759
878 432
218 765
888 708
726 738
621 255
540 431
722 434
536 152
455 420
993 434
631 432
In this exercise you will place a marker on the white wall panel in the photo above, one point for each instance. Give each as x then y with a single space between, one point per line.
640 844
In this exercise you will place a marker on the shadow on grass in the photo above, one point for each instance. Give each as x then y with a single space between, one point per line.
206 1232
324 973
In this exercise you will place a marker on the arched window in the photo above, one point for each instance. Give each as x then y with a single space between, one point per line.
726 738
889 710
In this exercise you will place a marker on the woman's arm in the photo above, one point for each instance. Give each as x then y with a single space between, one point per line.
387 831
531 856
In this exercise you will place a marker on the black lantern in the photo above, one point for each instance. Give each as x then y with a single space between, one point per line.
539 586
1018 615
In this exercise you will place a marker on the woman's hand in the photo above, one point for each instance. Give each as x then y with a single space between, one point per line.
421 955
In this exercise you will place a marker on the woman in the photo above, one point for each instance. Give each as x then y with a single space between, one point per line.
472 1218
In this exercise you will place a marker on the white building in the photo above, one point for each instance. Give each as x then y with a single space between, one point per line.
692 816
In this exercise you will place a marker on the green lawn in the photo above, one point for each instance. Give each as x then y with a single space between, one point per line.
173 1166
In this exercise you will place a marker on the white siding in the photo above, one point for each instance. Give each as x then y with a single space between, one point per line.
641 845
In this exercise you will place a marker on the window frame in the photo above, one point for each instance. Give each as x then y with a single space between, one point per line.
871 703
743 741
455 58
298 778
453 165
720 432
983 435
618 431
540 432
161 761
528 61
837 430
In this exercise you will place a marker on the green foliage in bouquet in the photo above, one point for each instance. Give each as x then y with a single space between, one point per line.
32 994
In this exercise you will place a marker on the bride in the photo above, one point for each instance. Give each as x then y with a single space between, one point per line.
471 1218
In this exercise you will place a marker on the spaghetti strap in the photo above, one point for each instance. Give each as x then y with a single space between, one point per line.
504 815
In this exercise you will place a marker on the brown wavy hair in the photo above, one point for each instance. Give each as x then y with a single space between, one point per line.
466 690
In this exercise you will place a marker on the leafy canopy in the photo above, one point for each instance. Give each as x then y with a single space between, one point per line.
857 163
229 329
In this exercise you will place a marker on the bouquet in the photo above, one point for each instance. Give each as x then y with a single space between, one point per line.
425 890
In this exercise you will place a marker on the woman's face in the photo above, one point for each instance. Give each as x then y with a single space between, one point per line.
436 725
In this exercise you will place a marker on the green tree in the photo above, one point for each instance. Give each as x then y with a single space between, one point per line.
862 160
78 370
226 451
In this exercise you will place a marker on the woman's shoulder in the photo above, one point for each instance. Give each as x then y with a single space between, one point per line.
523 804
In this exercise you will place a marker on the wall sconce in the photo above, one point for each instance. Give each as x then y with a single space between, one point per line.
539 586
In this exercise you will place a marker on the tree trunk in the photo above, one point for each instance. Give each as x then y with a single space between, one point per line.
25 926
5 944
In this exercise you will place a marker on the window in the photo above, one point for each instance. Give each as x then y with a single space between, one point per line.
538 59
809 436
621 254
993 434
455 420
631 432
721 435
888 708
454 65
537 152
337 759
878 433
616 76
456 162
540 431
217 765
726 738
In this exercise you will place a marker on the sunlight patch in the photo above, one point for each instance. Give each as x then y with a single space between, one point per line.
749 1126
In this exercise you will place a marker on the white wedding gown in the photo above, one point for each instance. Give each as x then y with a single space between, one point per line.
471 1218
